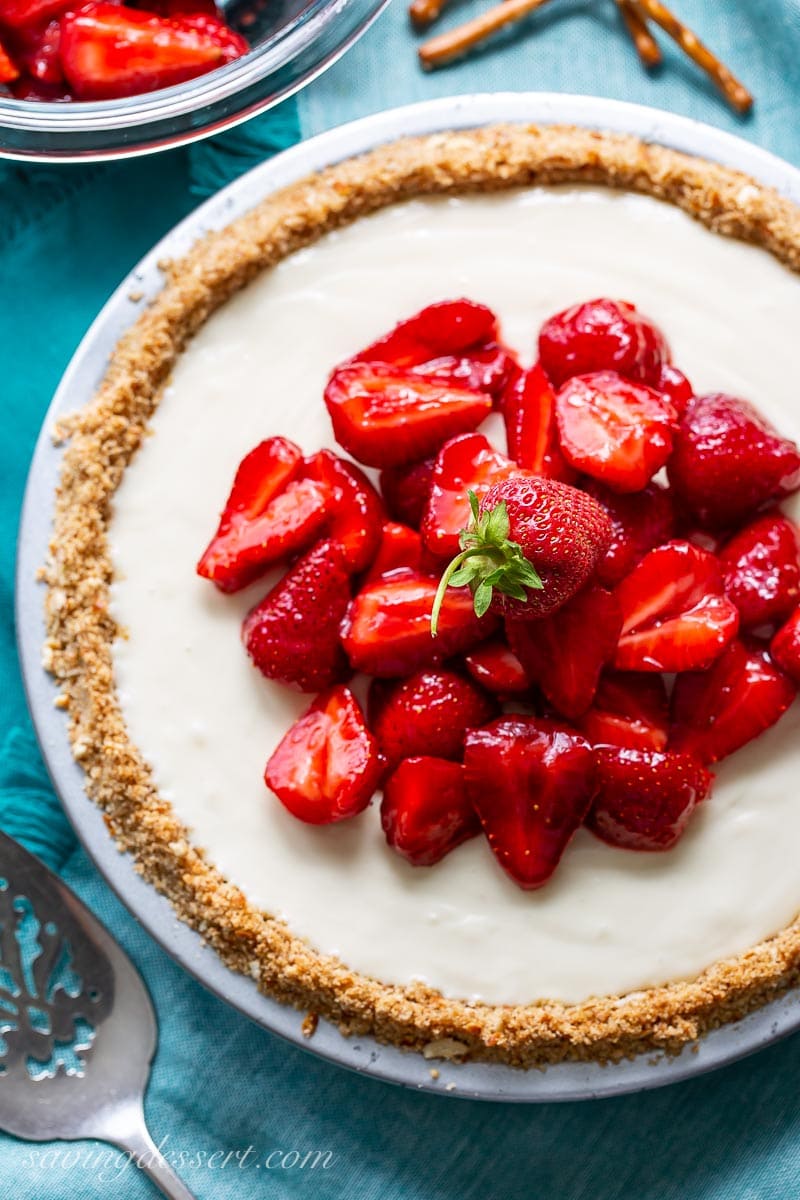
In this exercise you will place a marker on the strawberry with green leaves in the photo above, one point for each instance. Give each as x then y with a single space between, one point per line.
532 543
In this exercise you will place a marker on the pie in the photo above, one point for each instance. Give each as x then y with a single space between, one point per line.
621 952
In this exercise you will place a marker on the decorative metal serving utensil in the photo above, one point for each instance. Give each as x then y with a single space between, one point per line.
77 1027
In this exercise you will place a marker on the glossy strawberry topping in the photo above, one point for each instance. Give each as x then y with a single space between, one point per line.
581 589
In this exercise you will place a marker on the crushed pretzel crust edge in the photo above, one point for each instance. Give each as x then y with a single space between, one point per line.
104 436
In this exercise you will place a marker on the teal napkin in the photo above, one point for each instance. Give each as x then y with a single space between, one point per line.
219 1084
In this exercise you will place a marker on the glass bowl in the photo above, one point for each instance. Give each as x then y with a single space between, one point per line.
292 42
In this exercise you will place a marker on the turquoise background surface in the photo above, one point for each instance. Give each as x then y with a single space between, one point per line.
67 236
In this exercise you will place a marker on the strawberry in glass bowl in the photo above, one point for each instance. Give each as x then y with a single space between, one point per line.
100 79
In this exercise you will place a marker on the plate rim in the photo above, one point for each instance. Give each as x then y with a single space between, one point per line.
364 1055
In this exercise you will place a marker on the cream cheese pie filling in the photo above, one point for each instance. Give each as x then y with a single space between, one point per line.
611 921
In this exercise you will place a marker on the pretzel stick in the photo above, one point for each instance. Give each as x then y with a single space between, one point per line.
733 91
442 49
644 43
425 12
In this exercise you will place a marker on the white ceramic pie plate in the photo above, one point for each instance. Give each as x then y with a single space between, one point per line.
568 1081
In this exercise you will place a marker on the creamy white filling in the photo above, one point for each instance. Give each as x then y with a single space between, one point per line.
611 920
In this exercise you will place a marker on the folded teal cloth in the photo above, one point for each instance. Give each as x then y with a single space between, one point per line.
67 236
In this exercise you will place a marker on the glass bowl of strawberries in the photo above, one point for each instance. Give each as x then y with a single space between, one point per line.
103 79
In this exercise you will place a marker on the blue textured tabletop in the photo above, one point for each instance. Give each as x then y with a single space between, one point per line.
68 234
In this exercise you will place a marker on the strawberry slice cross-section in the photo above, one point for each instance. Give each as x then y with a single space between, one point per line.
629 710
676 616
327 766
718 711
529 414
617 431
270 516
109 50
387 629
387 417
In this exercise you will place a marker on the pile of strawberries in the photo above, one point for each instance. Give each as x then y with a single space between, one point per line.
61 50
600 637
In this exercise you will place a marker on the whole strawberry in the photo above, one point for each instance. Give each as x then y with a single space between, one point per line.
533 542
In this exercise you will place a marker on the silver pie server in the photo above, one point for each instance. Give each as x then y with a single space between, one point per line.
77 1027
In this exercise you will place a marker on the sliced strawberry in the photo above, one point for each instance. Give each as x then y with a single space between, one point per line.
449 327
26 15
387 629
614 430
400 547
109 50
639 523
565 653
39 53
326 768
761 569
629 710
261 474
288 525
785 646
728 461
531 782
673 384
644 798
269 516
602 335
716 712
293 634
356 513
405 490
9 71
428 713
491 369
386 417
668 580
496 667
425 811
529 413
465 463
675 614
